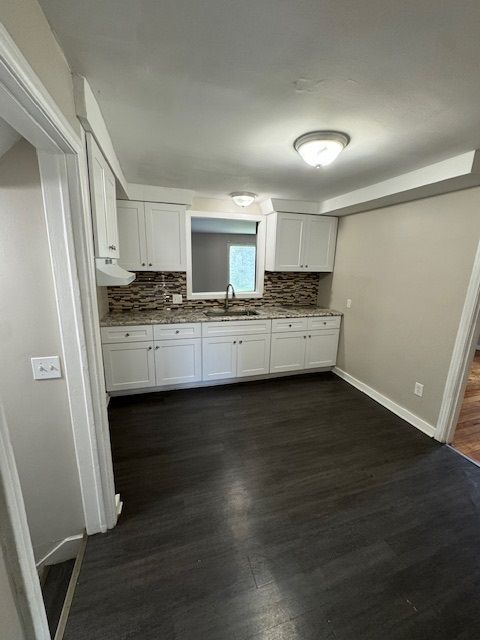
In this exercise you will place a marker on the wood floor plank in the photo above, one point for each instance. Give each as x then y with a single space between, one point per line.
288 509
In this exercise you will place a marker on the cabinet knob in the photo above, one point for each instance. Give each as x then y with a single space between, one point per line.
150 264
289 325
234 342
177 331
126 335
144 264
157 347
304 337
306 266
240 342
150 348
324 323
112 247
301 266
309 336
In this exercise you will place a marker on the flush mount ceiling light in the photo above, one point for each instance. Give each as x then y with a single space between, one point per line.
243 198
320 148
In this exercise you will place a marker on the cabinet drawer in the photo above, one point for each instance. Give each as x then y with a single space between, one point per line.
325 322
235 328
289 324
137 333
175 331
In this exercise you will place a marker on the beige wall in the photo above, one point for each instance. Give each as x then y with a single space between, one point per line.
27 25
406 269
37 413
10 623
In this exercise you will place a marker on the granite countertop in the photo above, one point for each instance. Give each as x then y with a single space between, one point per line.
172 316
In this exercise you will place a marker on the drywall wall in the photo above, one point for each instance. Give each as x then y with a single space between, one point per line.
210 259
10 623
37 412
406 269
28 27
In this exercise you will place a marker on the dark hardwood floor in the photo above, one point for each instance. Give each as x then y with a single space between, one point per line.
288 509
54 590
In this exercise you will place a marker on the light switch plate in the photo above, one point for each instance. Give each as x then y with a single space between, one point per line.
177 298
46 368
418 390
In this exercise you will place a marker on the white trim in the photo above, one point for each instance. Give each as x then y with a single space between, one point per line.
260 266
459 172
167 195
64 550
27 107
462 355
16 544
392 406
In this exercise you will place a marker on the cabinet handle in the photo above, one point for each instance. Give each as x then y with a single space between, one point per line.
112 247
150 348
126 335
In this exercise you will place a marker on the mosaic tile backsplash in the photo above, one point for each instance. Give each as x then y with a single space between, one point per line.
154 289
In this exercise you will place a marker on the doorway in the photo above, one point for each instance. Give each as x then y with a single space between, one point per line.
467 433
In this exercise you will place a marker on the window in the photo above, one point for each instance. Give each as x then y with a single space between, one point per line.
241 266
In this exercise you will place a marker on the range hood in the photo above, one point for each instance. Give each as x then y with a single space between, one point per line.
111 274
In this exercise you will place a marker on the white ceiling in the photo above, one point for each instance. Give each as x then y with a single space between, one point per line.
210 95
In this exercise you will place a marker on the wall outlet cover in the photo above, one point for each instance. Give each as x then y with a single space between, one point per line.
46 368
177 298
418 390
349 303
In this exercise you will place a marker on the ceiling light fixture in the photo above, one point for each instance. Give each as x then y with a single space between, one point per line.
243 198
321 148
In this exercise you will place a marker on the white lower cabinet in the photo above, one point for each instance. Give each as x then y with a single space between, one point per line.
219 357
129 365
321 349
187 353
253 355
235 356
288 352
178 361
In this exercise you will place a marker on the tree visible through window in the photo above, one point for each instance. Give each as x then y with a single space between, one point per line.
241 263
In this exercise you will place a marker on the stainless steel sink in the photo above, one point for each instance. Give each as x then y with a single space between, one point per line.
221 313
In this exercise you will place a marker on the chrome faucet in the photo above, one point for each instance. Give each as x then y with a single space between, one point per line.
226 296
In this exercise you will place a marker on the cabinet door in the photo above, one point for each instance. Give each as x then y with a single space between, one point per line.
320 239
288 351
178 361
129 365
253 355
321 348
288 242
131 235
102 197
219 358
165 232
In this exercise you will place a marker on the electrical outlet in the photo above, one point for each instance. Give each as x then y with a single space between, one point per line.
177 298
45 368
349 303
418 390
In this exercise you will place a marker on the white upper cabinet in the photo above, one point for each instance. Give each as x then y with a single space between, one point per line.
300 242
151 236
102 195
131 235
166 242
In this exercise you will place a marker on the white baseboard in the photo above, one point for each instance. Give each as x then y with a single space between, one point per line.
392 406
64 550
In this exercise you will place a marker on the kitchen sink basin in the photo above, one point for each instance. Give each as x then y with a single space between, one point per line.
221 313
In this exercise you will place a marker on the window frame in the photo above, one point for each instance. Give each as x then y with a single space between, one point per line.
260 254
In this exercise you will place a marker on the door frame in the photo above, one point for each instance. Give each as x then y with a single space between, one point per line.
462 356
28 107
